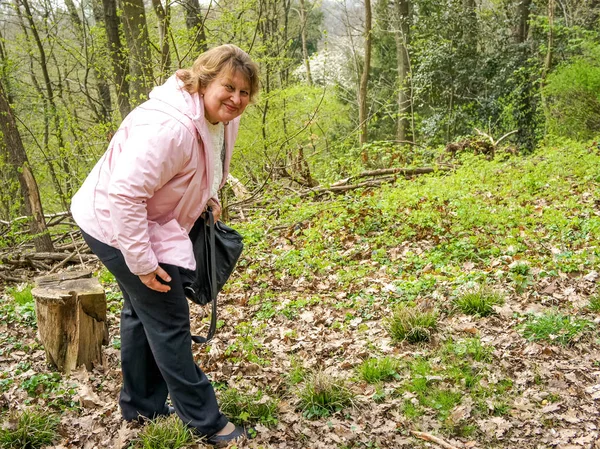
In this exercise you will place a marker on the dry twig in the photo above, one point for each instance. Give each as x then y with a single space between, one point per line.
433 439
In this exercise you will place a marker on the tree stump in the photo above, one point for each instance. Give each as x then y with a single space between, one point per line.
71 317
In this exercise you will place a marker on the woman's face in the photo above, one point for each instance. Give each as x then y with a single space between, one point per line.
226 97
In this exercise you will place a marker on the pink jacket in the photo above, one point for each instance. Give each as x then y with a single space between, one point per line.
145 193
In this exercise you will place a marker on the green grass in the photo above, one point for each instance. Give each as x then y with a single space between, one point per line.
244 408
29 429
375 370
165 433
594 303
321 395
478 302
411 324
469 347
555 327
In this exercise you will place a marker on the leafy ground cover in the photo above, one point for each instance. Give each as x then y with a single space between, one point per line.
501 257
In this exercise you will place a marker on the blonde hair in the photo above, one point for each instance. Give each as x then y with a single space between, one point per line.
222 59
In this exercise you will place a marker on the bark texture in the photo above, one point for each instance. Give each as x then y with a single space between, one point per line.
71 316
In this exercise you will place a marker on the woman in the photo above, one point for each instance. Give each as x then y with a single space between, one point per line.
162 169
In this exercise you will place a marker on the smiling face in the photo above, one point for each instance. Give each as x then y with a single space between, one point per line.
226 97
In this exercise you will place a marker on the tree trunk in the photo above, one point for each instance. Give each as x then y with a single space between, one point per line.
140 63
71 315
523 27
163 14
49 102
15 152
116 51
549 52
102 115
364 79
195 24
402 37
303 37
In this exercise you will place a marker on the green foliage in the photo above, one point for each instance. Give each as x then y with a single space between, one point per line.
29 429
478 302
470 347
321 395
573 96
555 327
374 370
243 408
165 433
410 324
52 388
22 308
106 277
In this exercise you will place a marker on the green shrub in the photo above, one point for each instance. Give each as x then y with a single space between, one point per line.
555 327
248 408
375 370
165 433
411 324
322 394
29 429
573 98
479 302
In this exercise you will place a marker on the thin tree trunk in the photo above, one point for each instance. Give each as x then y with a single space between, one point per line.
303 37
549 52
136 35
163 14
49 99
102 115
116 51
15 153
364 79
523 27
195 24
402 37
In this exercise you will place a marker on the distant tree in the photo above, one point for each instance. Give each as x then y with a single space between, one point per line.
14 151
138 44
117 55
364 78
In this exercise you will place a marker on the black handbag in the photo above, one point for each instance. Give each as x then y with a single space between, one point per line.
217 248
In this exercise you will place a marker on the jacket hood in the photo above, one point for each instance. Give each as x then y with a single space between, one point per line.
173 93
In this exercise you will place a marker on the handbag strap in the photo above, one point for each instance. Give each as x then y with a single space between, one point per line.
209 242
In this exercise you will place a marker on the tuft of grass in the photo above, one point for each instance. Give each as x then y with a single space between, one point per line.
29 429
322 394
165 433
244 408
479 302
297 372
594 303
374 370
555 327
411 324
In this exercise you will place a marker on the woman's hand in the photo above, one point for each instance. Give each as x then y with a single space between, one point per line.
150 280
216 209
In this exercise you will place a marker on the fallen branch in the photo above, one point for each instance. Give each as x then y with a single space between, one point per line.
433 439
58 265
344 188
390 171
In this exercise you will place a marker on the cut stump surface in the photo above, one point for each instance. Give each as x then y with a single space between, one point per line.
71 316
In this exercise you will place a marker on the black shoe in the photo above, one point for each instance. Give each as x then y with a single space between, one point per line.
237 434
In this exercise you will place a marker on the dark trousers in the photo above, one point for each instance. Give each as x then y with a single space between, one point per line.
156 349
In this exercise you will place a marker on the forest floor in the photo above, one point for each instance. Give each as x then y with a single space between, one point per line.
320 286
